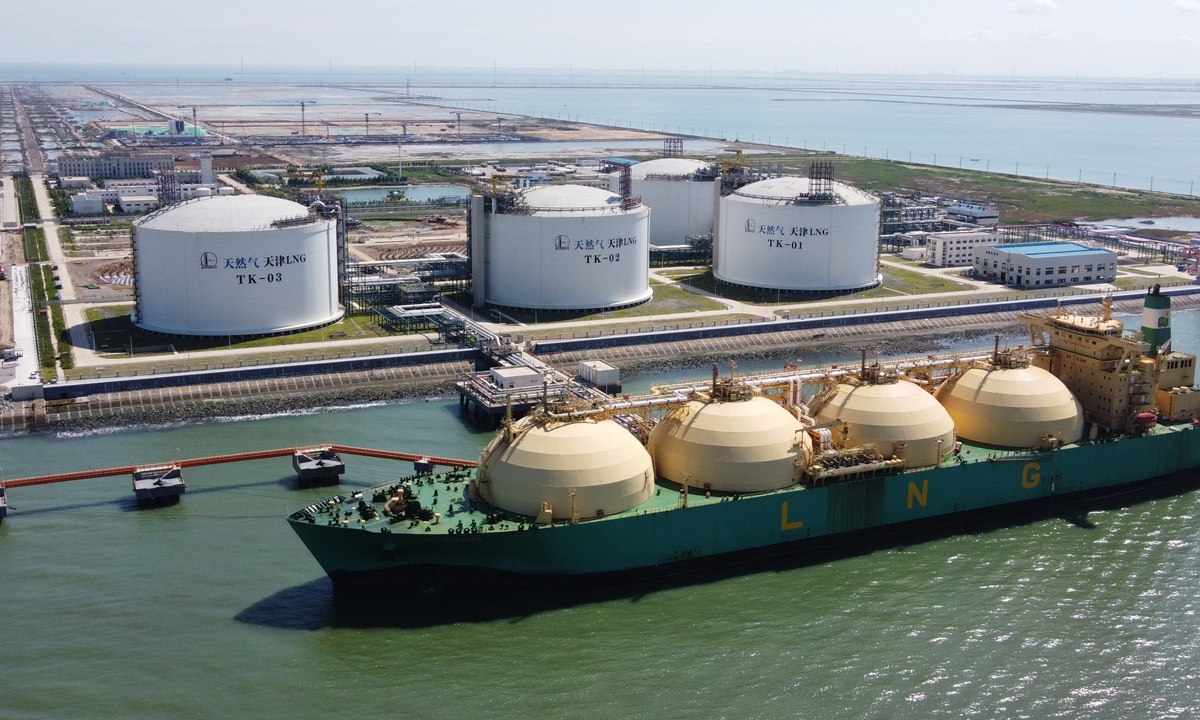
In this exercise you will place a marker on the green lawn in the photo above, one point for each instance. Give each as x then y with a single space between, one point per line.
896 283
114 332
667 299
915 283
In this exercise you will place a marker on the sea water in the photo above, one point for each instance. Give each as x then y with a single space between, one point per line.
1093 130
213 608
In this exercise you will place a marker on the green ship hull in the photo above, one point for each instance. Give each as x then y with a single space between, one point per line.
474 544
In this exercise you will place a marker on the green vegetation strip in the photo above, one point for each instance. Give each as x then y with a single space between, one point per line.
26 201
65 358
41 323
35 246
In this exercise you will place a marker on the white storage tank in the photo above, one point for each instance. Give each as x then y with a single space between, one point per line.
560 247
733 446
683 195
1011 407
235 265
777 234
899 418
585 468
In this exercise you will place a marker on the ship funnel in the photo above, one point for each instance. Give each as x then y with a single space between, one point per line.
1156 320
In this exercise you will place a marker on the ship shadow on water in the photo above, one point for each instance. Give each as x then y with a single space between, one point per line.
316 604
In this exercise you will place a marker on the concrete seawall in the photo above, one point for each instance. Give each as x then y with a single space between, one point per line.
552 347
82 388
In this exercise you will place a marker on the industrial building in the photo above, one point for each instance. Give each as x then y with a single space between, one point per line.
974 214
137 203
956 249
236 265
115 165
681 192
74 183
559 247
1038 264
89 203
798 234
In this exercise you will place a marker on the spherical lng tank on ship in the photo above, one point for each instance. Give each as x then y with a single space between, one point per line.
586 468
683 195
898 418
735 446
235 265
1011 407
565 247
777 234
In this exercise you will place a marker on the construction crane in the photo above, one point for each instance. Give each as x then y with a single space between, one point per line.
315 176
459 116
303 128
728 165
367 117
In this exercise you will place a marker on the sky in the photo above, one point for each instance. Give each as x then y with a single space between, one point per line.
1065 38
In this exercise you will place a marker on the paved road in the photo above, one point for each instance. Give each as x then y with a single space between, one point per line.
72 313
235 184
35 161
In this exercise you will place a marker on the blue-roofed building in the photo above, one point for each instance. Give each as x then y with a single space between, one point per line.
1038 265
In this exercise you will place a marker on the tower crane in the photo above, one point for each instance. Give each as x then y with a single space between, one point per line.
303 128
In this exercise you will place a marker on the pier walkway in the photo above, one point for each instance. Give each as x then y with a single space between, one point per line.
239 457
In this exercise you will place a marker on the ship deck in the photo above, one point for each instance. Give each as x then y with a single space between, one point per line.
448 495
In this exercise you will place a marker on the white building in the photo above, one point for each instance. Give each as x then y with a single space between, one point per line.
681 192
957 249
238 265
137 203
559 247
114 165
87 204
74 183
1036 265
976 214
775 234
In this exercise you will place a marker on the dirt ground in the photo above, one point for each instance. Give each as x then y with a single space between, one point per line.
88 272
406 250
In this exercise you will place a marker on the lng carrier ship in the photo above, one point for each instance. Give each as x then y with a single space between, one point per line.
719 473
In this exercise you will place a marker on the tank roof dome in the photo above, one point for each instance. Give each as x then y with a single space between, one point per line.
224 213
775 191
898 418
1012 407
601 463
675 167
739 446
571 199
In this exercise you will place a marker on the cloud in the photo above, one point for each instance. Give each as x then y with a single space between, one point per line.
1187 5
1045 6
